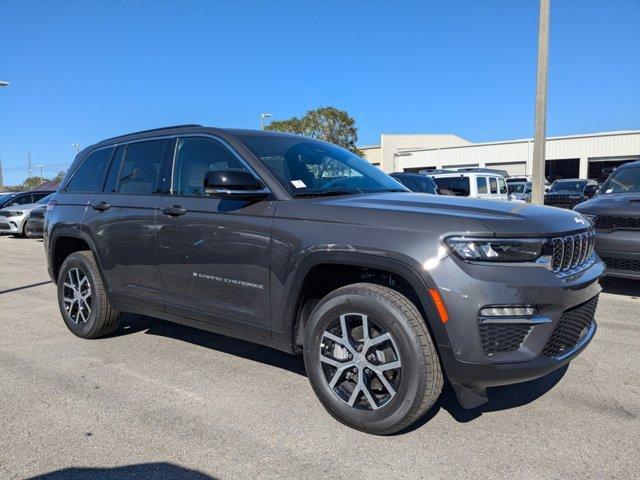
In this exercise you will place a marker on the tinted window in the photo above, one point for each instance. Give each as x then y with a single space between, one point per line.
482 184
111 183
425 185
139 171
310 167
493 184
44 200
20 200
626 180
196 156
407 182
89 175
458 185
503 186
567 186
39 196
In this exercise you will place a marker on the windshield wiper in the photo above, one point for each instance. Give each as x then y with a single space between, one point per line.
323 193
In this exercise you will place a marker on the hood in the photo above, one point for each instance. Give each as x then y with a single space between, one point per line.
612 204
27 207
502 217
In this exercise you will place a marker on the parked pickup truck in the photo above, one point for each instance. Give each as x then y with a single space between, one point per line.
301 245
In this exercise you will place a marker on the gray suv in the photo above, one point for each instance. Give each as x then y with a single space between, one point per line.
300 245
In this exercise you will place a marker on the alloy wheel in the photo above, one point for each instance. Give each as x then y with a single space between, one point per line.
360 362
77 296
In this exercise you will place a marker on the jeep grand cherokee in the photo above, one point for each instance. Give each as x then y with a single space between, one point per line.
303 246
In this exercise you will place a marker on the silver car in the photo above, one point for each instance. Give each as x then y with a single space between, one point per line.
13 220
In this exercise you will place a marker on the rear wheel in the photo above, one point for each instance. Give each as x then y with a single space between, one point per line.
370 358
82 298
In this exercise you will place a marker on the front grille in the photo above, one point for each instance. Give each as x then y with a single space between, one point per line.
505 337
572 251
571 328
611 222
562 201
622 264
4 226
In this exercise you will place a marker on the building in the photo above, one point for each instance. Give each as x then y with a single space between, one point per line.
592 156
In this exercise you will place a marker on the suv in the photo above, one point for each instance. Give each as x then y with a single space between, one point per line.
301 245
417 182
615 212
570 192
490 186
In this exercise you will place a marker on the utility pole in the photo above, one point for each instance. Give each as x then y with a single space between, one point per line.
77 147
29 169
41 176
262 117
1 181
540 134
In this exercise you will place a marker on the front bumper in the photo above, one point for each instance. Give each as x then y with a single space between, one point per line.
34 227
620 250
468 362
10 225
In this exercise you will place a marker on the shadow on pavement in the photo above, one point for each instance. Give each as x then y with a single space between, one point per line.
132 323
500 398
621 286
146 471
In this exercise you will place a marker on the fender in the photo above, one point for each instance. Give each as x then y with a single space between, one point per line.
286 315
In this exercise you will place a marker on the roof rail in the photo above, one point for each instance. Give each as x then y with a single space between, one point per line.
154 130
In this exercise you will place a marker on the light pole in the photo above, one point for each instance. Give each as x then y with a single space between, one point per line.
41 176
540 134
4 84
77 147
262 117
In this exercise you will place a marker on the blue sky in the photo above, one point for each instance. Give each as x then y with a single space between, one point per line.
83 71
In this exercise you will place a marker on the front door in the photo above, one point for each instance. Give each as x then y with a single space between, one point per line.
213 253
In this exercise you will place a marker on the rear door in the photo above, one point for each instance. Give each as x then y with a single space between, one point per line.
213 252
121 220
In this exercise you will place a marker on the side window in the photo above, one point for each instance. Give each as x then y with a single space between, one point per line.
21 200
493 184
196 156
139 171
89 175
111 183
39 196
503 186
407 183
482 184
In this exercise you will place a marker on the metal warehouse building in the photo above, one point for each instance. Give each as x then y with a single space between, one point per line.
592 156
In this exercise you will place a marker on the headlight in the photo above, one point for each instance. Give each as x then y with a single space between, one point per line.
497 250
15 213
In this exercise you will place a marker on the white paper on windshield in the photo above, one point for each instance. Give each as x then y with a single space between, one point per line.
298 183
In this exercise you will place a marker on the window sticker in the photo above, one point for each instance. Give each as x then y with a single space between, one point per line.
298 183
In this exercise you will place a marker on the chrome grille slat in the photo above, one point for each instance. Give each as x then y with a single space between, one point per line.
572 251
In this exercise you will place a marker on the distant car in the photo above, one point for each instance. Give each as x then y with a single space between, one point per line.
35 222
570 192
520 191
615 212
417 182
13 219
12 199
489 186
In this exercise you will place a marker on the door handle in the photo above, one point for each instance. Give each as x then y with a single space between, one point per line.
174 211
101 206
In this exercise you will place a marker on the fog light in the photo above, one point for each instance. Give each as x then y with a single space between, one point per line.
507 311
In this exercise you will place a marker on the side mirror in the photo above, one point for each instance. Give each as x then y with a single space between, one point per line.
234 184
590 190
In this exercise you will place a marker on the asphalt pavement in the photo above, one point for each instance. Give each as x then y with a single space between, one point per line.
162 401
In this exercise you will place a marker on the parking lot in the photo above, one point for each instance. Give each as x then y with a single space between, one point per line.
158 400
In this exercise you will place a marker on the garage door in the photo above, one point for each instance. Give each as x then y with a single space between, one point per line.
512 168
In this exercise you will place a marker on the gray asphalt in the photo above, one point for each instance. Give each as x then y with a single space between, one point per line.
162 401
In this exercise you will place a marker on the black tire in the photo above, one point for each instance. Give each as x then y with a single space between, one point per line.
420 376
103 318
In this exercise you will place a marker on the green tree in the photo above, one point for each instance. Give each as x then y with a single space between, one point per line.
33 182
324 123
59 176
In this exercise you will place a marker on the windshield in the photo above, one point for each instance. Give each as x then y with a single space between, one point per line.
44 200
567 186
308 167
626 180
517 188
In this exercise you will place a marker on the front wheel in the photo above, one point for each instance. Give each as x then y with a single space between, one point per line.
370 358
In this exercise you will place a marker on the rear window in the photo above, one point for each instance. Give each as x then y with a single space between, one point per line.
89 176
458 185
